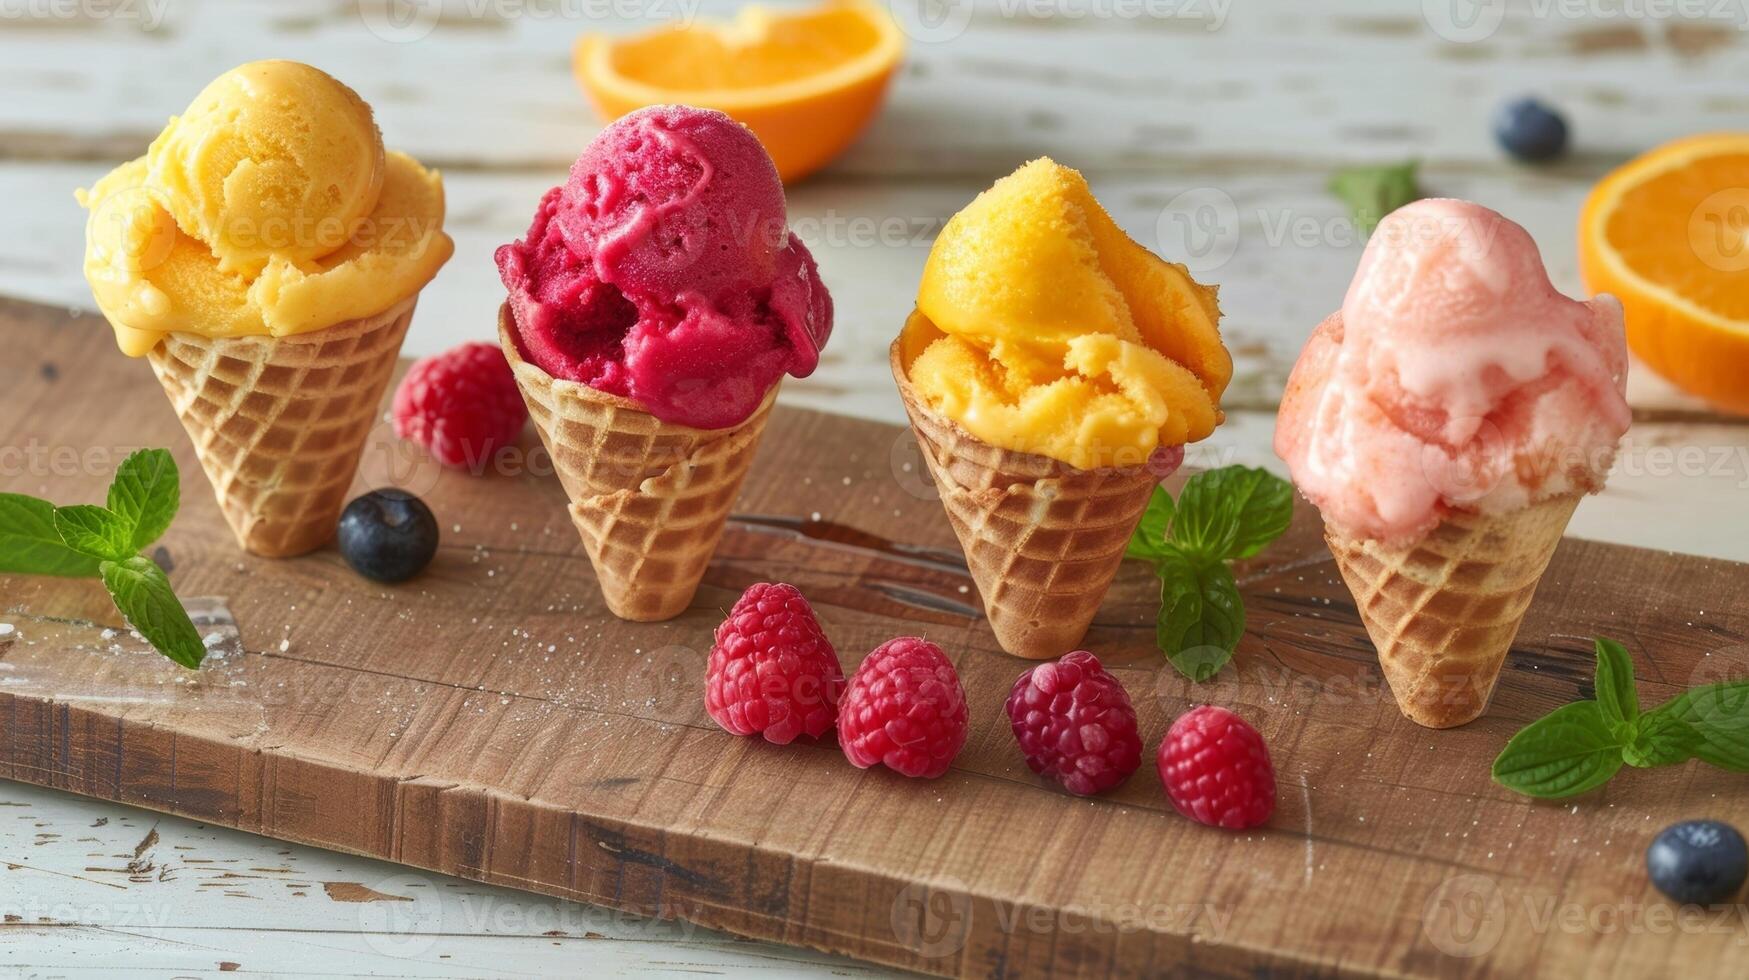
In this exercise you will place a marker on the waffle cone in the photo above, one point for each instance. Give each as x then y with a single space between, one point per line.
649 498
279 423
1042 538
1443 610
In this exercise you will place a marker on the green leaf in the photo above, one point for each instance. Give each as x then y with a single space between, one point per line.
1615 683
142 592
1206 526
95 531
1149 540
1263 505
1719 716
1568 752
1371 192
1202 615
1661 740
30 545
146 492
1221 515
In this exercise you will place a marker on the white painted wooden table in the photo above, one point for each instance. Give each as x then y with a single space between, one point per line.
1208 127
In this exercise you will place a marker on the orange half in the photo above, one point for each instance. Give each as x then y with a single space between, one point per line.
1668 233
806 83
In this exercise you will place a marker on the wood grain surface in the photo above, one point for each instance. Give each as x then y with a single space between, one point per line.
490 721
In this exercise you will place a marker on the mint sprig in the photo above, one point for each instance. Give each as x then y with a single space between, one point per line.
1569 751
146 491
142 592
1220 516
95 531
30 545
1580 746
1371 192
88 541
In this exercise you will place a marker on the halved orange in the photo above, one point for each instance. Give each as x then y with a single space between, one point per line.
1668 233
806 83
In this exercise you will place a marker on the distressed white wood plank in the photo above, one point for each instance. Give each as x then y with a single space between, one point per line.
92 889
1203 82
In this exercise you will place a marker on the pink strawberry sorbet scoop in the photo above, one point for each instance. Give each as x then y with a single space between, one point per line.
664 271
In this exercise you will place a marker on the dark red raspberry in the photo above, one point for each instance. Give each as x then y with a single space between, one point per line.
462 405
904 709
1216 769
772 669
1074 723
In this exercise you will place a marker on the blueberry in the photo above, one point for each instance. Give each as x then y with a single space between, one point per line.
388 535
1530 131
1698 862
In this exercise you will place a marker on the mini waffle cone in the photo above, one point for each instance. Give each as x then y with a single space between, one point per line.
648 498
1443 610
279 423
1042 538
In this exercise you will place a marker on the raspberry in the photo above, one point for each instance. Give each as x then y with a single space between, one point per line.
1216 769
462 405
904 709
1074 723
772 669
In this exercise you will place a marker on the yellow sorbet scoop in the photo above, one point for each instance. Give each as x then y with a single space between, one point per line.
268 208
1041 327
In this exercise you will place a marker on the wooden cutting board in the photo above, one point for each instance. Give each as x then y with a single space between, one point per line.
490 720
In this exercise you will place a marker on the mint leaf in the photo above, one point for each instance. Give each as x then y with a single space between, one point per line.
1580 746
1220 515
1615 683
1718 714
1371 192
1149 540
1202 615
142 592
146 492
95 531
1571 750
1261 504
1661 740
29 544
38 538
1207 523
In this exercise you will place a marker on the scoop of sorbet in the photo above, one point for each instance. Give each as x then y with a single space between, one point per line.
1455 376
663 271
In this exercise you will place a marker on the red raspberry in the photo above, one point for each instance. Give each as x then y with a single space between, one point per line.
772 669
1074 723
904 709
462 405
1216 769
